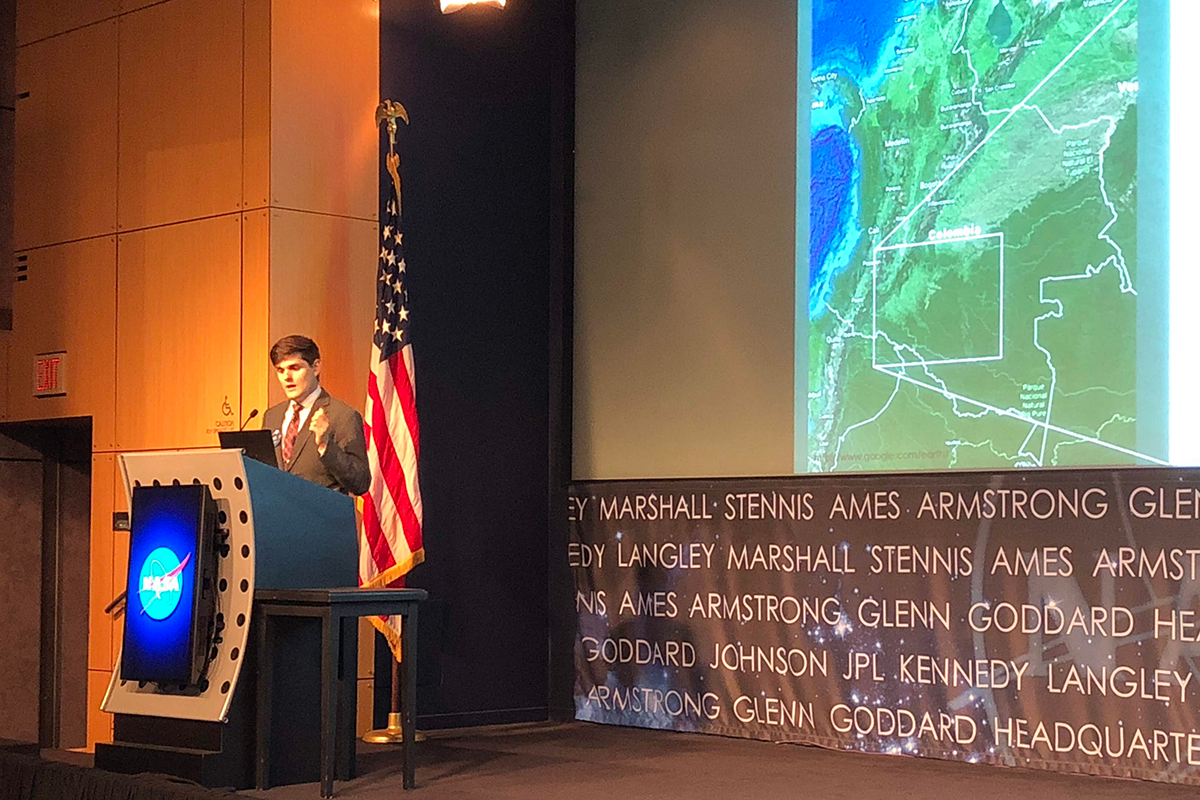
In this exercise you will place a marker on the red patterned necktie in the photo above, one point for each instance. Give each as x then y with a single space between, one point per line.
289 438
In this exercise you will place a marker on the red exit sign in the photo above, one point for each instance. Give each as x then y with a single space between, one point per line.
49 374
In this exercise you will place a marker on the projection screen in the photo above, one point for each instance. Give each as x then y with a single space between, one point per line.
882 235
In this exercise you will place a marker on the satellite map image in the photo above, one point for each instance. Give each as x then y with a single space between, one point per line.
973 276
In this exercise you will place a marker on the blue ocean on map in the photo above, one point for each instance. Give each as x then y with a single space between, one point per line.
851 32
833 170
855 39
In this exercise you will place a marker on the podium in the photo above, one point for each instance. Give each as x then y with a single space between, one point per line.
282 533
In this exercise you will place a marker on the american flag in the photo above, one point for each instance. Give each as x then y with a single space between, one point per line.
391 520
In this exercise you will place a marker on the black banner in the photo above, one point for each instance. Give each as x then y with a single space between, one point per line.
1039 619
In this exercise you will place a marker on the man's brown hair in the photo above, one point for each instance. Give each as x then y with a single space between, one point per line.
290 346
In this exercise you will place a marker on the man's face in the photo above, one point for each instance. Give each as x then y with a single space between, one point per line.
297 376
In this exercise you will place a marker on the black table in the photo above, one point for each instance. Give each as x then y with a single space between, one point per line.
334 607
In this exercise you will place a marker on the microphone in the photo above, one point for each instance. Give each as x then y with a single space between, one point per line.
253 414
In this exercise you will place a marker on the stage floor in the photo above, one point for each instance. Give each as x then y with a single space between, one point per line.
584 761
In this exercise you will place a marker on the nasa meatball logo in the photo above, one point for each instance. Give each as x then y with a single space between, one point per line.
159 588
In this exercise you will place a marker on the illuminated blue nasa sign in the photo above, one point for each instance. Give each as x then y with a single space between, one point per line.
159 585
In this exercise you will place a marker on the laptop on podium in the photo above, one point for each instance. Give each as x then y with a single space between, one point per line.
259 445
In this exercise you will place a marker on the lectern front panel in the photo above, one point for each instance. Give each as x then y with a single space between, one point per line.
168 616
224 472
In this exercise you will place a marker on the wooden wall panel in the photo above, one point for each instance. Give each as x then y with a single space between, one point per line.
100 584
8 45
8 132
256 309
38 19
99 724
120 557
366 676
366 706
324 89
256 105
366 648
68 303
134 5
180 112
5 339
323 272
120 575
66 138
178 334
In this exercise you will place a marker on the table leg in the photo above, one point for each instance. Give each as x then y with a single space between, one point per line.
262 762
408 704
347 740
330 647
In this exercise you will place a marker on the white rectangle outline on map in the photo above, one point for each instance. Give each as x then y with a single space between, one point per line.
875 303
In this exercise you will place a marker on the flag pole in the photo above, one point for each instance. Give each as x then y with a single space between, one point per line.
387 110
394 732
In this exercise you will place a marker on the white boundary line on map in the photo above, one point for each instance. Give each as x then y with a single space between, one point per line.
1011 113
897 370
875 302
1008 412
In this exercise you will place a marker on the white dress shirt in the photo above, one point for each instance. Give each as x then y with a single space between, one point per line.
306 405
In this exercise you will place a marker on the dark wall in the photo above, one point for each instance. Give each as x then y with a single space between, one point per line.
20 587
484 229
71 472
45 538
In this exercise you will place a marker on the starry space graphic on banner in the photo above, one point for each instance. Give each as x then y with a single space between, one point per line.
1041 621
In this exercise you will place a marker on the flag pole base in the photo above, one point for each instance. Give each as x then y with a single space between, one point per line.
392 734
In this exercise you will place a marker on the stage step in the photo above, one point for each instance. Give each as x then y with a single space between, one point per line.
21 748
205 767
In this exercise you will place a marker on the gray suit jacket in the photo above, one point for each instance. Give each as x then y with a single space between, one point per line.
344 466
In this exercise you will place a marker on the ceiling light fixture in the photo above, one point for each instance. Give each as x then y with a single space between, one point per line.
450 6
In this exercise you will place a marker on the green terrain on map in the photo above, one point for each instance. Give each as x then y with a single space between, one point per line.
987 317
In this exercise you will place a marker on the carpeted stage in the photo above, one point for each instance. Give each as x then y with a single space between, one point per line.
583 761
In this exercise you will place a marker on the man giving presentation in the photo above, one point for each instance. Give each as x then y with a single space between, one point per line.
317 437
